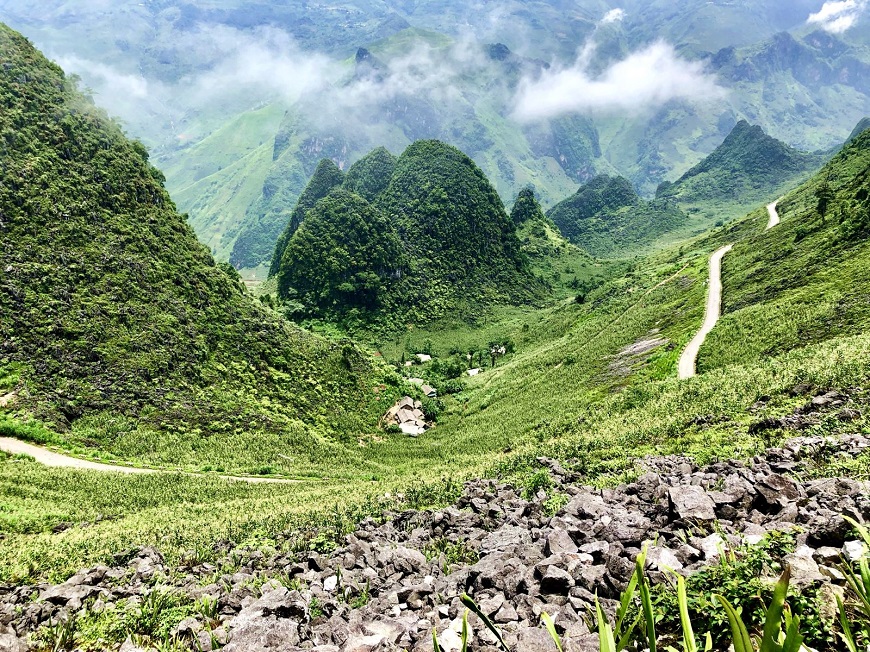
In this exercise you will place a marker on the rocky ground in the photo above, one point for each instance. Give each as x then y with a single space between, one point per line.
393 581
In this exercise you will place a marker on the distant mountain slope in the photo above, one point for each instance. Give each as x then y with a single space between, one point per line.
555 155
461 247
112 313
862 126
747 167
606 216
807 280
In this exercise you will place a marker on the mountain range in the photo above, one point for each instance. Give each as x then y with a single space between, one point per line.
238 154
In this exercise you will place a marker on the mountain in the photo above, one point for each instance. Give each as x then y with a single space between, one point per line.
748 167
216 92
111 311
344 256
606 216
369 176
325 179
461 247
862 126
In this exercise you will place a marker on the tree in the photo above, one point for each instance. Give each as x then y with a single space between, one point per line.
824 195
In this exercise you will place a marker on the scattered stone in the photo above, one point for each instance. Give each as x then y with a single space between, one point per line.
692 503
519 562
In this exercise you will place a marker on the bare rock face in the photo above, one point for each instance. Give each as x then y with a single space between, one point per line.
692 503
388 586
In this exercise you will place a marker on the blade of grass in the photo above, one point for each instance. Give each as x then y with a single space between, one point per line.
689 643
551 628
472 605
773 618
846 634
739 635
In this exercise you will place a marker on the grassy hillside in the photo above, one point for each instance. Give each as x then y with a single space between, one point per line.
806 280
748 167
119 330
606 217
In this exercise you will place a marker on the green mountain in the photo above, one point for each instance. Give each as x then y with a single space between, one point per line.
606 216
369 176
862 126
116 325
461 247
748 167
325 179
344 256
231 142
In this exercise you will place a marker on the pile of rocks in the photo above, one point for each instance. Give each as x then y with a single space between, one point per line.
392 582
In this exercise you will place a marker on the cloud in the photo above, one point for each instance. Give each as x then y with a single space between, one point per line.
645 79
613 16
838 15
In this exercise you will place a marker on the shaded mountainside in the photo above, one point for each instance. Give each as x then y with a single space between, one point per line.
459 252
606 216
749 166
325 179
554 155
862 126
111 310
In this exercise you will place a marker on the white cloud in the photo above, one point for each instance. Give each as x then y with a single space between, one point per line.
836 16
647 78
613 16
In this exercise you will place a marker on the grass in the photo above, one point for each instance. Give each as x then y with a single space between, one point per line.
559 394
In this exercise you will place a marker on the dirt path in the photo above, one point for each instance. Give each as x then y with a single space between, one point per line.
689 356
49 458
774 216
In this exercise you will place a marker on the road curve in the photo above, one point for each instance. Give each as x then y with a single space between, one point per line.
689 357
773 218
50 458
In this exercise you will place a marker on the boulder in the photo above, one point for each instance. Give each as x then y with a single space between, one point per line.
691 502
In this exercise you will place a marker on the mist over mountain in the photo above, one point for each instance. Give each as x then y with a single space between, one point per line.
240 102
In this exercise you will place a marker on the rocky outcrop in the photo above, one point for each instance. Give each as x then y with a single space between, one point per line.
392 582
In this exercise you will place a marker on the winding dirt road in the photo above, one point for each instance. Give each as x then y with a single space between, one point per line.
773 215
50 458
689 357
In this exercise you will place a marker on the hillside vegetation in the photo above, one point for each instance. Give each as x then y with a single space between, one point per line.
606 216
806 280
118 329
748 167
459 249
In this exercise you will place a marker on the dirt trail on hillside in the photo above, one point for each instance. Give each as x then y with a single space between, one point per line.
689 357
50 458
773 215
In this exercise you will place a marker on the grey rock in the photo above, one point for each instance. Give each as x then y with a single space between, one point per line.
661 559
9 642
263 635
505 538
692 503
559 541
854 550
556 580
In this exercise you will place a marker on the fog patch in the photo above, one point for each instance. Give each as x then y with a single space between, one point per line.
645 79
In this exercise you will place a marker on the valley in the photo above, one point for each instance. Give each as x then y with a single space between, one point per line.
635 331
